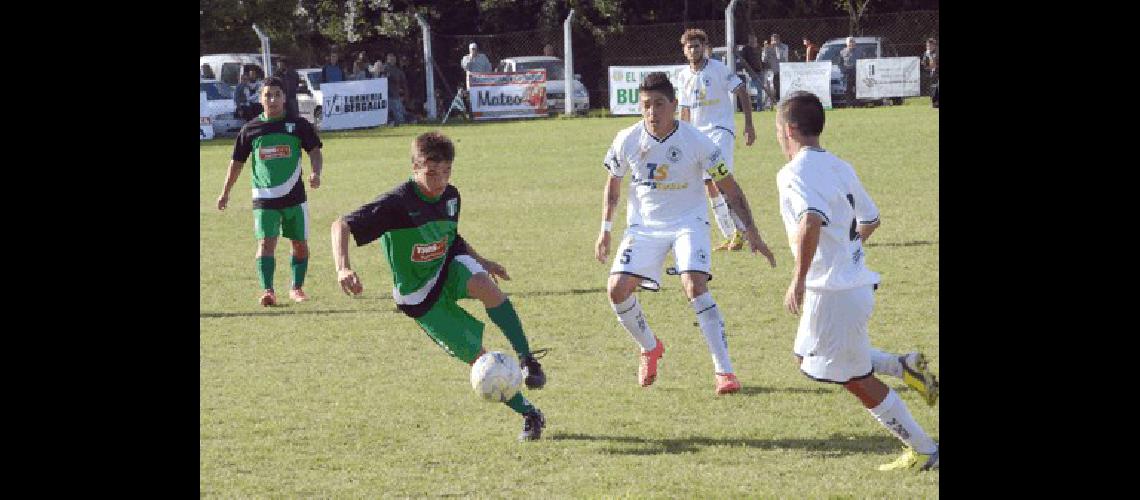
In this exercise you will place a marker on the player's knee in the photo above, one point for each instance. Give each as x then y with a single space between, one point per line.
301 249
694 284
617 289
266 246
483 288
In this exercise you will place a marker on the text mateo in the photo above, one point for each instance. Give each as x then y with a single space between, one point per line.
486 99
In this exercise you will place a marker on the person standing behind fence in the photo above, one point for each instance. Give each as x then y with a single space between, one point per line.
810 50
397 90
930 63
241 98
290 80
360 69
331 71
775 53
475 62
849 57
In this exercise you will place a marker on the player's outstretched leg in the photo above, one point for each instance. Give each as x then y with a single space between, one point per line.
300 265
502 313
625 305
912 368
890 411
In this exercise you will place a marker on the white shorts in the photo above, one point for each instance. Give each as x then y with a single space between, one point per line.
725 141
832 337
642 251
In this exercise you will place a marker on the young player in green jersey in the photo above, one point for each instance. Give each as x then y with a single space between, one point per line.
433 267
279 206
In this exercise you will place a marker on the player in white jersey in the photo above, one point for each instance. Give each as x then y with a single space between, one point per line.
828 215
666 211
706 95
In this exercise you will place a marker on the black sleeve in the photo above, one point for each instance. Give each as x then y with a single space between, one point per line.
460 246
371 221
308 135
242 146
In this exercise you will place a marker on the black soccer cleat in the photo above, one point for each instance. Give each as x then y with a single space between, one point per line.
535 378
533 423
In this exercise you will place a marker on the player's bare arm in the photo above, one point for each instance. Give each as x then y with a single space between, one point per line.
317 163
493 268
612 196
232 174
807 240
865 230
738 203
746 104
349 281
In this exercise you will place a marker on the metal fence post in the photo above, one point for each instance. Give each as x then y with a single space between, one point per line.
429 101
730 38
265 59
568 86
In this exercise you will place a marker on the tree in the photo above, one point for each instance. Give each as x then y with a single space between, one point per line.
855 10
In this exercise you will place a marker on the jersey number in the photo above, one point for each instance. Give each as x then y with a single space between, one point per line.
854 233
625 256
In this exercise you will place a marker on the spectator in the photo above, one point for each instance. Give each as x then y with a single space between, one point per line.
753 59
475 62
548 50
774 53
810 50
848 58
414 99
331 72
930 63
241 98
207 72
397 89
360 68
290 80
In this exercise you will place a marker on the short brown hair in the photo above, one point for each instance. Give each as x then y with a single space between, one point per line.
694 34
804 110
433 146
658 81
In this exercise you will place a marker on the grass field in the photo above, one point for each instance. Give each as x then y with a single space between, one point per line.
346 397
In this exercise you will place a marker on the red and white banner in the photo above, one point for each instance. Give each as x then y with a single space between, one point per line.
496 96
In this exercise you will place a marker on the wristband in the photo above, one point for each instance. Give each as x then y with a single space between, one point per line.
607 226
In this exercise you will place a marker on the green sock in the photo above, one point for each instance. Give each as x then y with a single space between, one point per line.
520 404
299 268
507 320
265 271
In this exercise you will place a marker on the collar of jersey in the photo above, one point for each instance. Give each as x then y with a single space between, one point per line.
702 67
676 127
421 194
265 118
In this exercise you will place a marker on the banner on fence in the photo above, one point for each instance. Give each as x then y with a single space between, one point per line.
354 104
205 127
886 77
624 81
814 77
497 96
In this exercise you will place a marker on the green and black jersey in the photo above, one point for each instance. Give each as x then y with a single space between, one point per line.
276 146
418 235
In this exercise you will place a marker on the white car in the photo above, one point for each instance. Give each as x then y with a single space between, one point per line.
310 100
220 102
555 81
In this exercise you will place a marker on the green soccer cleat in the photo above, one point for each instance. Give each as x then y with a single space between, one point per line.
911 459
917 375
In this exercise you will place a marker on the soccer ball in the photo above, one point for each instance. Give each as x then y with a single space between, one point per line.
496 377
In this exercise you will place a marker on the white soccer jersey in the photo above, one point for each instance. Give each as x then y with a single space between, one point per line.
708 95
666 186
818 181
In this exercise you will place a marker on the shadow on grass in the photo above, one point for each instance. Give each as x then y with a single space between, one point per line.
836 445
276 311
901 243
572 291
751 390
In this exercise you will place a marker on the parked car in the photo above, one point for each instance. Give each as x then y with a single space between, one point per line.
555 81
227 68
310 100
220 103
867 47
755 91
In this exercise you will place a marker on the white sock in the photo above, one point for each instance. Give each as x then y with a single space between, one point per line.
886 363
736 220
895 416
723 217
712 326
630 316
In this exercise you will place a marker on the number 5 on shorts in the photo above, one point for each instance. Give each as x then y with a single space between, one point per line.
625 256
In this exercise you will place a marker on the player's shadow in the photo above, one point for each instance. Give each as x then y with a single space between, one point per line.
572 291
900 243
277 311
753 390
836 445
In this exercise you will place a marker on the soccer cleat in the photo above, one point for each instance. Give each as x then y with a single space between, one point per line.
268 298
533 423
647 370
737 241
535 378
298 295
726 383
917 375
911 459
726 244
